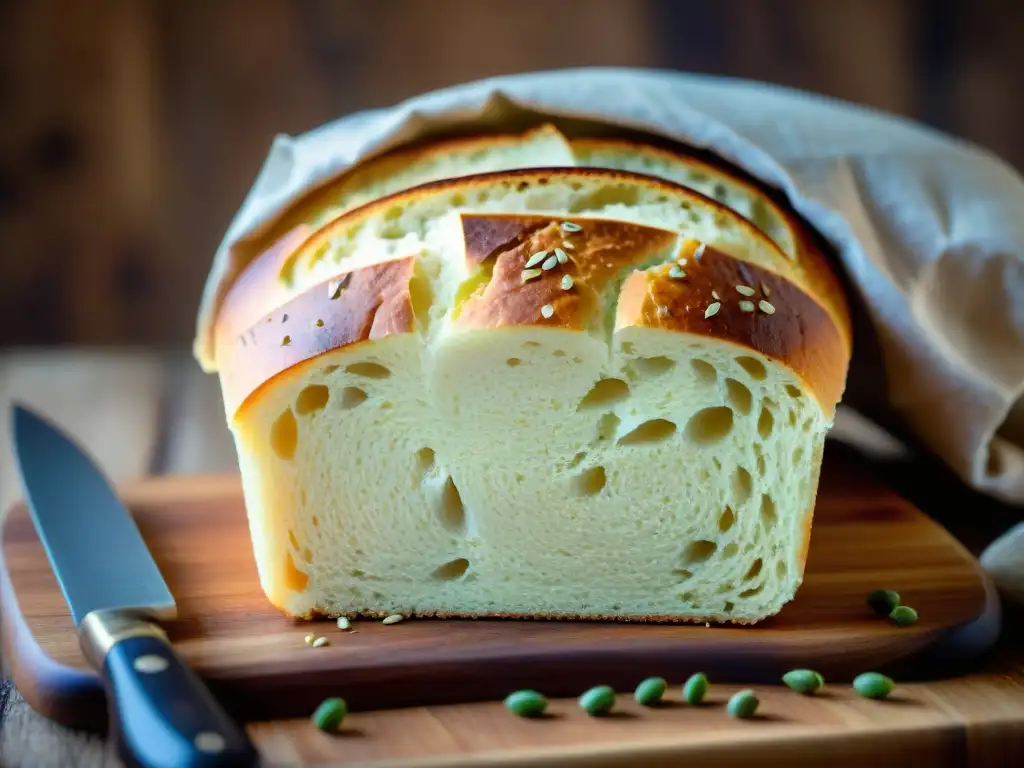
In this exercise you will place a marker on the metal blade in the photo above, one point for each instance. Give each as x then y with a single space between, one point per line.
92 541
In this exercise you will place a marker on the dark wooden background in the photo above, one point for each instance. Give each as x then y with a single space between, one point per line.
130 129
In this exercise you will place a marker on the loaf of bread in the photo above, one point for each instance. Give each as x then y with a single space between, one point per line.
537 392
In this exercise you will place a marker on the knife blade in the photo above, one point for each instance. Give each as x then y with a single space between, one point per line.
161 714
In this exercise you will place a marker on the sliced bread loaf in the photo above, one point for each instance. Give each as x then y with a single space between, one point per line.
541 393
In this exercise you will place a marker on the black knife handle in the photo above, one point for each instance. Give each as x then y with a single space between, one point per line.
161 713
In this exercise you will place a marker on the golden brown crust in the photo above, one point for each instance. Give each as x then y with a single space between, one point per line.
599 250
799 333
361 305
780 321
809 330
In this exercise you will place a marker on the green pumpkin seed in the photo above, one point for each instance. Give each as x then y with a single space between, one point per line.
695 689
526 703
872 685
650 691
598 700
329 715
805 681
903 615
882 601
743 704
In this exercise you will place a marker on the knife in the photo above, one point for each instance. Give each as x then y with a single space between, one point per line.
161 714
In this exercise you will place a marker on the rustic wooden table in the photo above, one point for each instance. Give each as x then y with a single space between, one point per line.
144 413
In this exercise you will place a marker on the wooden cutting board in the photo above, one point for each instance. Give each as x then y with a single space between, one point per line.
256 661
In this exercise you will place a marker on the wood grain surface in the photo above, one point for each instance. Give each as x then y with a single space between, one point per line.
255 659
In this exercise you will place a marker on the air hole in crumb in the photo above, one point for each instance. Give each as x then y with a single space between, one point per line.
742 485
591 481
792 418
755 569
293 539
368 370
531 344
781 569
558 353
730 550
683 574
328 370
312 398
284 435
725 588
652 366
687 597
653 431
607 426
302 497
451 511
453 569
706 373
765 423
605 392
512 362
798 455
698 551
793 391
739 396
709 425
753 366
806 426
575 461
716 463
357 573
351 397
726 520
307 555
425 458
762 466
768 514
316 521
728 607
627 348
751 592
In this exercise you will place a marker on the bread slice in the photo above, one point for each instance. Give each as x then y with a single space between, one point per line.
633 431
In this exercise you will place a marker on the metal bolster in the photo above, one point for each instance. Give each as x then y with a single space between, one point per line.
100 630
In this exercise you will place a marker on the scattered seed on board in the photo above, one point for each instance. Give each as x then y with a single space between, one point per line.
744 290
547 310
650 691
568 226
805 681
286 341
743 704
681 261
872 685
882 601
568 245
330 714
394 618
320 642
695 689
903 615
310 639
746 306
698 254
766 306
526 703
766 290
676 273
529 274
598 701
343 622
567 282
712 309
561 256
549 263
536 259
715 296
